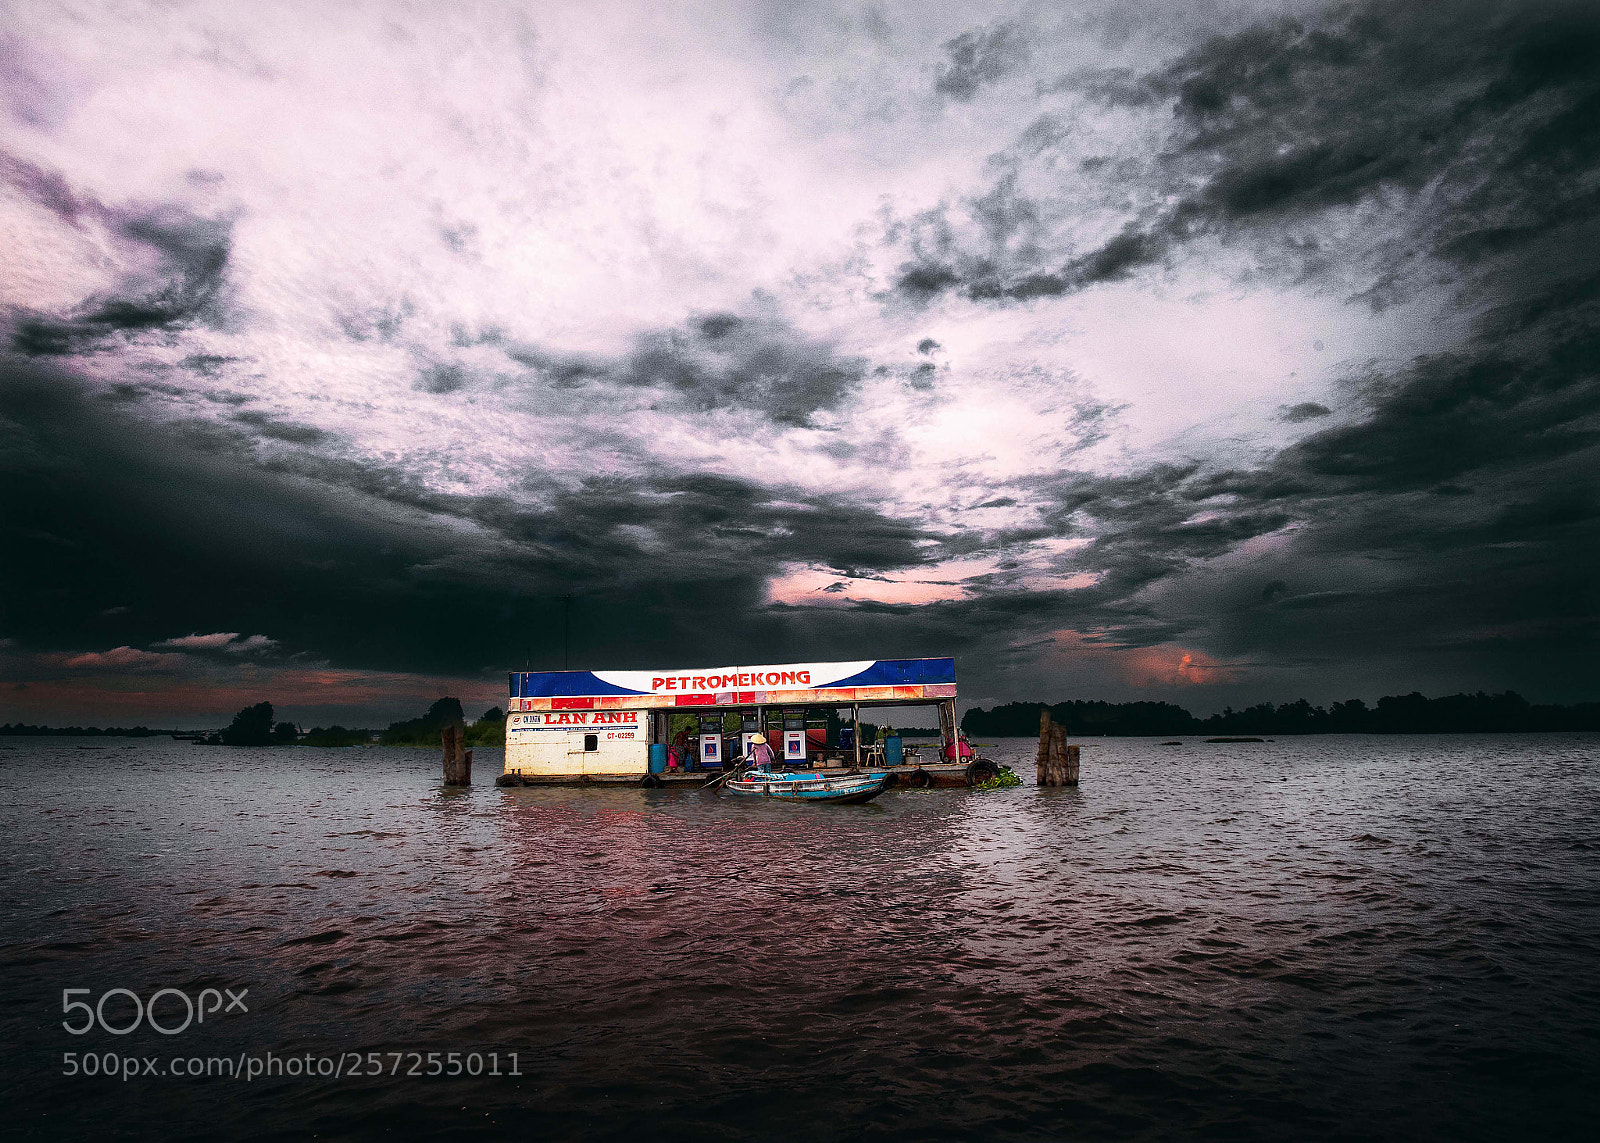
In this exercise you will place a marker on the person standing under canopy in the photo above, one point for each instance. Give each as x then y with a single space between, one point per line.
761 756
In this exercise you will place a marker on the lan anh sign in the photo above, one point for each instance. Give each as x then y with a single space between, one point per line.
861 680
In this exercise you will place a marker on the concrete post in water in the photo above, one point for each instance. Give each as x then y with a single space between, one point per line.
457 759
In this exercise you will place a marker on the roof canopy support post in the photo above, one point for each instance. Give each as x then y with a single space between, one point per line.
855 716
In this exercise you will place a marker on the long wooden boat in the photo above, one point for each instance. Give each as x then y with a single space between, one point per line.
842 789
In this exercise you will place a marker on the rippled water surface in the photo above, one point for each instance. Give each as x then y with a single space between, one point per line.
1321 938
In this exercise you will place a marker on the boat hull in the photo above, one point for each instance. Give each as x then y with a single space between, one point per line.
838 790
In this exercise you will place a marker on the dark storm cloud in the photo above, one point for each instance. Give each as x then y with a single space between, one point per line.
275 429
1483 119
1422 527
192 259
723 360
1449 510
1452 527
46 188
1304 411
193 527
716 361
442 378
979 57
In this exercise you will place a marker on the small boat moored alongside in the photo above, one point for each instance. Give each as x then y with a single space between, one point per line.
842 789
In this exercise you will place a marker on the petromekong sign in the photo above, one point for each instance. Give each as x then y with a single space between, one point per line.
850 681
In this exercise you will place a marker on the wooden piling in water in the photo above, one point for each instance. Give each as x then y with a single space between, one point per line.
1057 762
457 759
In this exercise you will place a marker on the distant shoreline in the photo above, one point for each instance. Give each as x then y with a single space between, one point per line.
1507 713
1481 713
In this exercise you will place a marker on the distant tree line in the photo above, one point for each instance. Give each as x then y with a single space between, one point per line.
23 729
336 736
256 726
489 730
1393 714
253 726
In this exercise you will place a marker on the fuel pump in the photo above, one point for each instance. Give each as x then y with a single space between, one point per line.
711 741
749 727
794 736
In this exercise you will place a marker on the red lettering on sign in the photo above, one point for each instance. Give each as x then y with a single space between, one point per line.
672 684
787 677
657 684
699 682
805 677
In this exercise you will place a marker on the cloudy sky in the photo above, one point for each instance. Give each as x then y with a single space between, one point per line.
1209 352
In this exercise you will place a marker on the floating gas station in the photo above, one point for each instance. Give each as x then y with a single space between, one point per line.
578 727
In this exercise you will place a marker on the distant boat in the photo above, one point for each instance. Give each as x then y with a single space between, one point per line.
842 789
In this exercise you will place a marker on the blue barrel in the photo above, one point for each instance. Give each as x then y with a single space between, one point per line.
892 754
658 758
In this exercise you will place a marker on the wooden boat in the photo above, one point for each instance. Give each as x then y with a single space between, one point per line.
842 789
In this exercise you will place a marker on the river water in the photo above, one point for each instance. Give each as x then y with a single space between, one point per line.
1333 937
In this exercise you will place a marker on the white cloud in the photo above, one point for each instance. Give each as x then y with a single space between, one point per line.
199 642
228 641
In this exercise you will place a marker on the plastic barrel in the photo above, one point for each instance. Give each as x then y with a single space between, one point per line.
892 754
658 758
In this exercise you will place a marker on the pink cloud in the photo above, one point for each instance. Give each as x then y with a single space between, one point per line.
119 659
1162 665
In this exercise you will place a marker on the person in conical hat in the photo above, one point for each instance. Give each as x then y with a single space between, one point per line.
761 756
